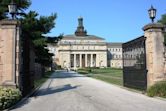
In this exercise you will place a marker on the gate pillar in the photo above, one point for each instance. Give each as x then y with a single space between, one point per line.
9 52
154 52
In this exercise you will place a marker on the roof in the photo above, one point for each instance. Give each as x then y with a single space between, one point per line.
114 44
134 41
88 37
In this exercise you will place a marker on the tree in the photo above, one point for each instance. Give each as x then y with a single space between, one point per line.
163 21
35 27
21 5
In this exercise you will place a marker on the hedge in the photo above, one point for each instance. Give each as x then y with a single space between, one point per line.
8 97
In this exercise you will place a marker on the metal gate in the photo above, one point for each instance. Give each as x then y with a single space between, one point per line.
134 64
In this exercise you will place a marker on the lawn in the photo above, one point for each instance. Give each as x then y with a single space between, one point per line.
111 75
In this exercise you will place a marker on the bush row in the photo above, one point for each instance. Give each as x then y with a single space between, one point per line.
8 97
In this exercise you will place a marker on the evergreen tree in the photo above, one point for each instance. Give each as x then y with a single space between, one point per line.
163 21
21 6
35 27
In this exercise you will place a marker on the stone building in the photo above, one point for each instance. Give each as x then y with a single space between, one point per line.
115 55
82 50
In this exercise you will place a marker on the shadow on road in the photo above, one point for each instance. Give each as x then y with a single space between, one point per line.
65 74
52 90
43 92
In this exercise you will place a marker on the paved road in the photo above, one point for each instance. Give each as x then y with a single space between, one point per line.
72 92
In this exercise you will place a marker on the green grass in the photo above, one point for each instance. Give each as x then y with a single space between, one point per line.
110 75
40 81
108 79
159 89
109 71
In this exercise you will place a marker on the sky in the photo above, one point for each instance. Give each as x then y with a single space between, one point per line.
114 20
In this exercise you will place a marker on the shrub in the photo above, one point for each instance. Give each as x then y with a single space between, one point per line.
159 89
82 72
8 97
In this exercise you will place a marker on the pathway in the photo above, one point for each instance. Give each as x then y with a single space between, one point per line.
68 91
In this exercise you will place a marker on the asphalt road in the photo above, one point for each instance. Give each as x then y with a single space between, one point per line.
72 92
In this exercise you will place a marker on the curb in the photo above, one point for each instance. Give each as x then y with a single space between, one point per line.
160 98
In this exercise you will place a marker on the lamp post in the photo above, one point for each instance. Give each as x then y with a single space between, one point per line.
152 13
12 9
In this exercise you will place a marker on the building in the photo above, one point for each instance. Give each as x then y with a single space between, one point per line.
115 55
82 50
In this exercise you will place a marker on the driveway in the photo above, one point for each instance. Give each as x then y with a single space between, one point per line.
68 91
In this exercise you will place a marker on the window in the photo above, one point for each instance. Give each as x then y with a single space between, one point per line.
113 56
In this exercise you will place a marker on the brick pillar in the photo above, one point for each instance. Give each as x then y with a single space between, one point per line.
154 52
9 52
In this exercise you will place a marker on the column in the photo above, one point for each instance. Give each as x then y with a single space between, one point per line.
154 52
86 60
80 60
69 61
91 60
10 52
95 60
75 61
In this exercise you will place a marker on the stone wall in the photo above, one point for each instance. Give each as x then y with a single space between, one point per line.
38 71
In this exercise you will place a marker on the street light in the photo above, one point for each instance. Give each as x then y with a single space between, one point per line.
152 13
12 9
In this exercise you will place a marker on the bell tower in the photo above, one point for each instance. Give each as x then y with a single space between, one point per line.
80 29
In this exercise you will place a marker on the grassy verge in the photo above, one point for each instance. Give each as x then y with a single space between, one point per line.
43 79
159 89
110 75
112 80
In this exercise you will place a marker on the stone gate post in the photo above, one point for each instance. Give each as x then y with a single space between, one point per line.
154 52
9 52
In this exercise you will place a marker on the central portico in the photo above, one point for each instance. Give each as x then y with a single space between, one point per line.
81 50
